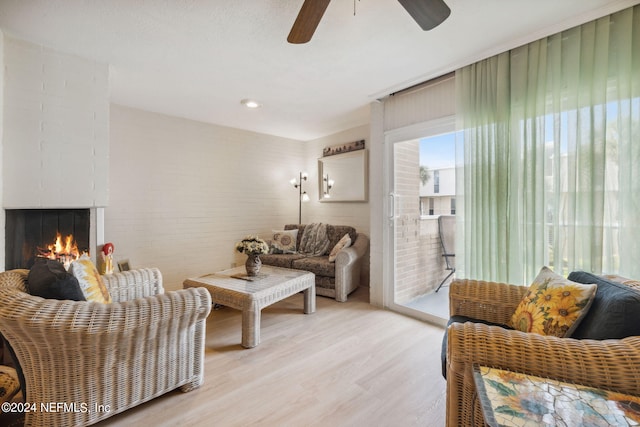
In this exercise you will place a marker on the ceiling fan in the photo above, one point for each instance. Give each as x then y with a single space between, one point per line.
427 13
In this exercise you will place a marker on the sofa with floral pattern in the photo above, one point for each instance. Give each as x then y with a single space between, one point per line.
334 278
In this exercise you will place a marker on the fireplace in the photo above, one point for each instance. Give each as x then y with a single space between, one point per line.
30 233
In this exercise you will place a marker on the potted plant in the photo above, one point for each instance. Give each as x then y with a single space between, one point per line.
253 247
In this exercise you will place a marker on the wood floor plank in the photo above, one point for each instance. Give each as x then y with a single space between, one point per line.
348 364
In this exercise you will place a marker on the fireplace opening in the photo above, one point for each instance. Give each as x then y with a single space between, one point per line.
52 233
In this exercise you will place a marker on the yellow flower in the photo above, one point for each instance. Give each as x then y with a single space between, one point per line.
564 312
528 297
528 318
571 292
548 295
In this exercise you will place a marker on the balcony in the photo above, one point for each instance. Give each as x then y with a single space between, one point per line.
420 266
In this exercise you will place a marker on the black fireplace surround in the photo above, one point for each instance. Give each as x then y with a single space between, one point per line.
26 230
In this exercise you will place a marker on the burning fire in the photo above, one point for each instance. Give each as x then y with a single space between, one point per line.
65 252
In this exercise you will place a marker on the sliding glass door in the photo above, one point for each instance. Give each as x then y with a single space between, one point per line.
421 188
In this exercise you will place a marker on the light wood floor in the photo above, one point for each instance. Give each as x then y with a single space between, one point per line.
349 364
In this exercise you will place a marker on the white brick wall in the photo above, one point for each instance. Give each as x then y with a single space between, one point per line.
184 192
55 138
355 214
419 265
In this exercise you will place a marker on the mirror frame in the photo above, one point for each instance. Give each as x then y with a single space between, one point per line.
363 193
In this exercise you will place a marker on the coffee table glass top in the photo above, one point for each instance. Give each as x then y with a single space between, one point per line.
515 399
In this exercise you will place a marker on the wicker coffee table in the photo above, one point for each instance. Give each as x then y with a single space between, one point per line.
233 288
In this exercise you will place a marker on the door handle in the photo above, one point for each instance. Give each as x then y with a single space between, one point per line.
392 206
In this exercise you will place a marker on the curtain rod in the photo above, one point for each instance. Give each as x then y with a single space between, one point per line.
424 84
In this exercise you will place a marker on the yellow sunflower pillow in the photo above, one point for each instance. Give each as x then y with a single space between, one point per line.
553 305
90 281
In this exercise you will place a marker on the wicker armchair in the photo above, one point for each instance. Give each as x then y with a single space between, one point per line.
607 364
109 357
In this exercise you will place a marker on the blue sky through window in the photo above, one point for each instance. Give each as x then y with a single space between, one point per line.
438 152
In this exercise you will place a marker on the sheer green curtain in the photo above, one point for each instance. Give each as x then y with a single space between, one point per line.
549 159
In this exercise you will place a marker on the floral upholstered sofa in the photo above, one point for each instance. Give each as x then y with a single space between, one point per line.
337 267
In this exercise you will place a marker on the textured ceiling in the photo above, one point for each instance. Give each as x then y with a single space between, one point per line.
198 58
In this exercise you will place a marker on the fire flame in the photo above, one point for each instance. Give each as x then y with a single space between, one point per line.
63 250
69 247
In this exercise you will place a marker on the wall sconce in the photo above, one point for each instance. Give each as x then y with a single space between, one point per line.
328 184
302 195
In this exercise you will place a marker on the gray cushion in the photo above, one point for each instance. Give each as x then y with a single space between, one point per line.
615 312
48 279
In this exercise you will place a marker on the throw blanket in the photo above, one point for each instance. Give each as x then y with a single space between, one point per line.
314 240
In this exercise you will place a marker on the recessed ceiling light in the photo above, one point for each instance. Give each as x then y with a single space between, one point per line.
250 103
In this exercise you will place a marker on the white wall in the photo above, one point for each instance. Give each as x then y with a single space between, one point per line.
355 214
378 208
447 183
56 129
184 192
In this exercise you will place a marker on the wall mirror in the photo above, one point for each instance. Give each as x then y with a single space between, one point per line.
343 177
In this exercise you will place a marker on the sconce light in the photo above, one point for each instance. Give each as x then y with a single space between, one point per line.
302 195
328 184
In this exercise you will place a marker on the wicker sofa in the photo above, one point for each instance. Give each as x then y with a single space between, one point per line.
333 279
107 356
612 364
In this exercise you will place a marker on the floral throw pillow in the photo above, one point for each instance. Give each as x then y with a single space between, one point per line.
345 242
90 281
553 305
284 241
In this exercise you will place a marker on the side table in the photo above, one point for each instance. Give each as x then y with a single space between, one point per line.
515 399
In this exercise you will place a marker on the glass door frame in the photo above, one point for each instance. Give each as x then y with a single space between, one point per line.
408 133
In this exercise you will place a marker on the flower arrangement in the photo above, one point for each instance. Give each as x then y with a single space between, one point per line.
252 245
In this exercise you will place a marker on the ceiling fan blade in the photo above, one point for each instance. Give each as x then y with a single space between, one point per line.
427 13
307 21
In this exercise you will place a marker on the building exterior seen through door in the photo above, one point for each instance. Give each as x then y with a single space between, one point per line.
423 190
